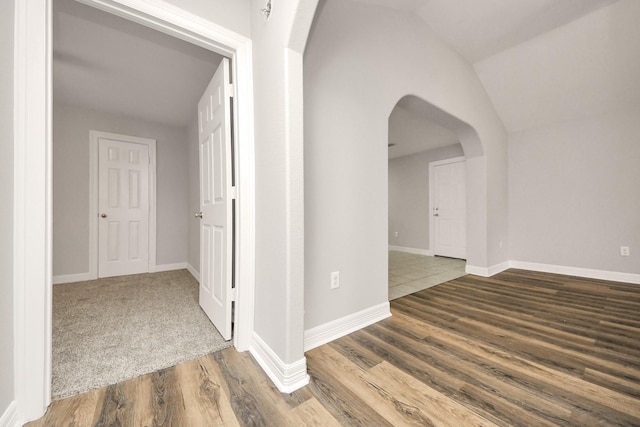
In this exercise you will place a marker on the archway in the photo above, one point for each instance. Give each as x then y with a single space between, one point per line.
422 135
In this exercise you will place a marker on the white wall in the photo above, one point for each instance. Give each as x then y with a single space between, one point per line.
6 208
359 62
574 193
71 128
409 213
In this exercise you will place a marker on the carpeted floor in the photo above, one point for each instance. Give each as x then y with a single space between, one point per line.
109 330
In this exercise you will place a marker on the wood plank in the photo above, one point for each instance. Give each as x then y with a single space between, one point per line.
208 403
337 397
415 397
72 412
312 414
484 386
247 392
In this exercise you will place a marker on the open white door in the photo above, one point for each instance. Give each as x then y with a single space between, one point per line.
123 206
216 198
449 208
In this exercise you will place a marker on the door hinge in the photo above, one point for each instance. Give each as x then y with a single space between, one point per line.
233 192
231 90
234 294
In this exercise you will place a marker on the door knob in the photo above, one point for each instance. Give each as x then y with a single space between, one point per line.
104 215
198 215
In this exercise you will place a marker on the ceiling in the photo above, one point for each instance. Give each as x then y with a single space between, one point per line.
107 63
540 61
412 128
478 29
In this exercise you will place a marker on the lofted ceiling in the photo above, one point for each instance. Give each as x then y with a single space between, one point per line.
540 61
107 63
478 29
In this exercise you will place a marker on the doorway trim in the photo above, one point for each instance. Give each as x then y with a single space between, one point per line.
32 238
432 165
94 137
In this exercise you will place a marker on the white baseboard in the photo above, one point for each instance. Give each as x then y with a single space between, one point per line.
426 252
288 377
10 416
195 273
72 278
335 329
487 271
614 276
81 277
576 271
171 267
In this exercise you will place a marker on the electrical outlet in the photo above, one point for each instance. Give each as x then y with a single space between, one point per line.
395 234
335 280
624 251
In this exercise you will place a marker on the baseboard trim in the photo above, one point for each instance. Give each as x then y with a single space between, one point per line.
72 278
10 416
487 271
426 252
288 377
195 273
335 329
82 277
614 276
171 267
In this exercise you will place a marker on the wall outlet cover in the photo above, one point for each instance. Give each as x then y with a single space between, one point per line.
335 280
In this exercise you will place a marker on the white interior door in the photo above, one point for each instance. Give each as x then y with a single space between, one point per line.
216 194
123 207
449 212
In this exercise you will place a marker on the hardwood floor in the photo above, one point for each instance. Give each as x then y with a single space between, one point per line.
520 348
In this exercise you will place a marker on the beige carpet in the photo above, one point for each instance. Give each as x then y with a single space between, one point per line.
109 330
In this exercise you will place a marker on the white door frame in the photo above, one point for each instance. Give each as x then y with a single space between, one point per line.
94 137
432 165
32 238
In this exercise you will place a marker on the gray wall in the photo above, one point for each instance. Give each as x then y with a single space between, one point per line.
71 128
193 250
279 264
6 207
350 90
574 193
409 196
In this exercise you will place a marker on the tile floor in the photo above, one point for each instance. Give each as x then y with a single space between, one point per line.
409 273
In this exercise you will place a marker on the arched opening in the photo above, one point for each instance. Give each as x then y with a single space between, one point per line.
429 206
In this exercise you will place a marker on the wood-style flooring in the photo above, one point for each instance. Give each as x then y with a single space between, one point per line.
517 349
